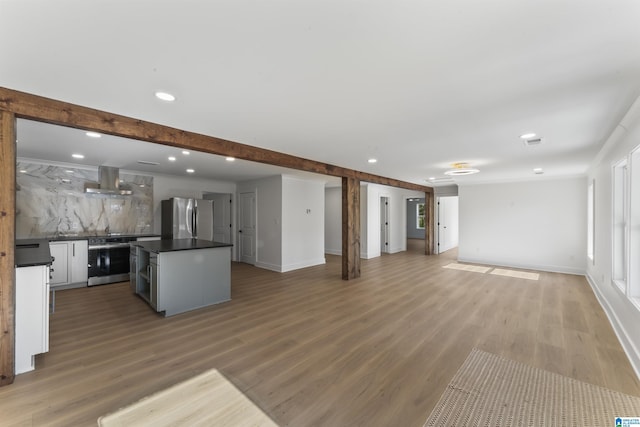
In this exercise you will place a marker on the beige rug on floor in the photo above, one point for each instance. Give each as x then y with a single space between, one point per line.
514 273
489 390
466 267
208 399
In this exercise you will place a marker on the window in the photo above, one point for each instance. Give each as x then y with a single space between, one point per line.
619 261
590 221
634 227
420 215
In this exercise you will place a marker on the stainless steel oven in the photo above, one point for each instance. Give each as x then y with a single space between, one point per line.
108 260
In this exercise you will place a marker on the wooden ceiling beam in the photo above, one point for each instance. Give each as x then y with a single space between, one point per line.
38 108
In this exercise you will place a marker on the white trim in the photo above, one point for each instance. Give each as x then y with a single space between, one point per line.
627 344
333 251
268 266
303 264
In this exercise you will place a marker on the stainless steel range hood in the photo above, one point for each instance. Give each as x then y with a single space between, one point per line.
109 183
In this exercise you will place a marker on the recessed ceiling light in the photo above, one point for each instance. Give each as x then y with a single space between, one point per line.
23 171
190 170
93 134
527 135
538 171
77 156
172 159
461 169
141 185
373 160
69 171
185 152
431 178
65 180
165 96
230 159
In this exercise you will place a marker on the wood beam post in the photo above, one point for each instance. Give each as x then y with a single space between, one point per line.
429 225
7 245
350 228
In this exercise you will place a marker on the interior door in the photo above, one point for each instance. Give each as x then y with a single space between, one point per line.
221 217
204 219
247 227
447 223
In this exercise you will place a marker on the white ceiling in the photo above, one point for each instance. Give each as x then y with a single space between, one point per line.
416 84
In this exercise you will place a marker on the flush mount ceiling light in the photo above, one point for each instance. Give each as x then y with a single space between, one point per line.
461 169
185 152
527 135
77 156
190 170
538 171
172 159
93 134
373 160
165 96
230 159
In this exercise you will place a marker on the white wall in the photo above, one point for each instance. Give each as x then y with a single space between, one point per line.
624 316
536 224
303 214
333 221
369 219
370 247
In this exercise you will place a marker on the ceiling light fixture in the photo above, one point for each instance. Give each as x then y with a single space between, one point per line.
431 178
461 169
230 159
527 135
373 160
77 156
23 171
165 96
172 159
538 171
190 170
185 152
93 134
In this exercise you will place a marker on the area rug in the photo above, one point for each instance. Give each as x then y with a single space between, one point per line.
489 390
467 267
208 399
514 273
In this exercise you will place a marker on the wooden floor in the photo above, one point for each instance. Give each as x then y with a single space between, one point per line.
311 349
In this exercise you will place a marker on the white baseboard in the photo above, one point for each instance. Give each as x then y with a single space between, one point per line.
303 264
268 266
627 344
333 251
539 267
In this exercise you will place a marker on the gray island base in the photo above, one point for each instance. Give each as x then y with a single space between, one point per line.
179 275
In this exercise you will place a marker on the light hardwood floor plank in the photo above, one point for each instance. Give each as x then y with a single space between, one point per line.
311 349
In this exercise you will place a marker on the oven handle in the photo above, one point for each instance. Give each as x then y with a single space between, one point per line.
112 246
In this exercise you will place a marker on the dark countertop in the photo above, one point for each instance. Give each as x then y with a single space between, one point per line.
69 237
32 252
170 245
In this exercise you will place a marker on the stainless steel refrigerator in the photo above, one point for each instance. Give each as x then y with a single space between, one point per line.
187 219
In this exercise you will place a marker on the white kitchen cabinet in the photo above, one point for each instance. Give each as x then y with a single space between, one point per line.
32 315
70 263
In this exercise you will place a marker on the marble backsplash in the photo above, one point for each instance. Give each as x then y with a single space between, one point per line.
50 201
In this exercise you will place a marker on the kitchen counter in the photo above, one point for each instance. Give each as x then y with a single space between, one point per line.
69 237
171 245
32 252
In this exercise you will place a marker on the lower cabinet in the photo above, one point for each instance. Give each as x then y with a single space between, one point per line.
69 267
31 316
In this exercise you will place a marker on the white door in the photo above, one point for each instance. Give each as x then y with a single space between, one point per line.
247 228
221 217
384 225
447 223
204 219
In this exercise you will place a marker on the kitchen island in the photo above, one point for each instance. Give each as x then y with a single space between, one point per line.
178 275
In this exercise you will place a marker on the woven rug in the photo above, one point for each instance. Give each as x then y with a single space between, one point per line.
489 390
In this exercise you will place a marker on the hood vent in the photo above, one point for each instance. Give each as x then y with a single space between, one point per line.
109 183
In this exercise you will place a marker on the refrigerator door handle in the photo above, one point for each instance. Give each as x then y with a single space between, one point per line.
194 220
